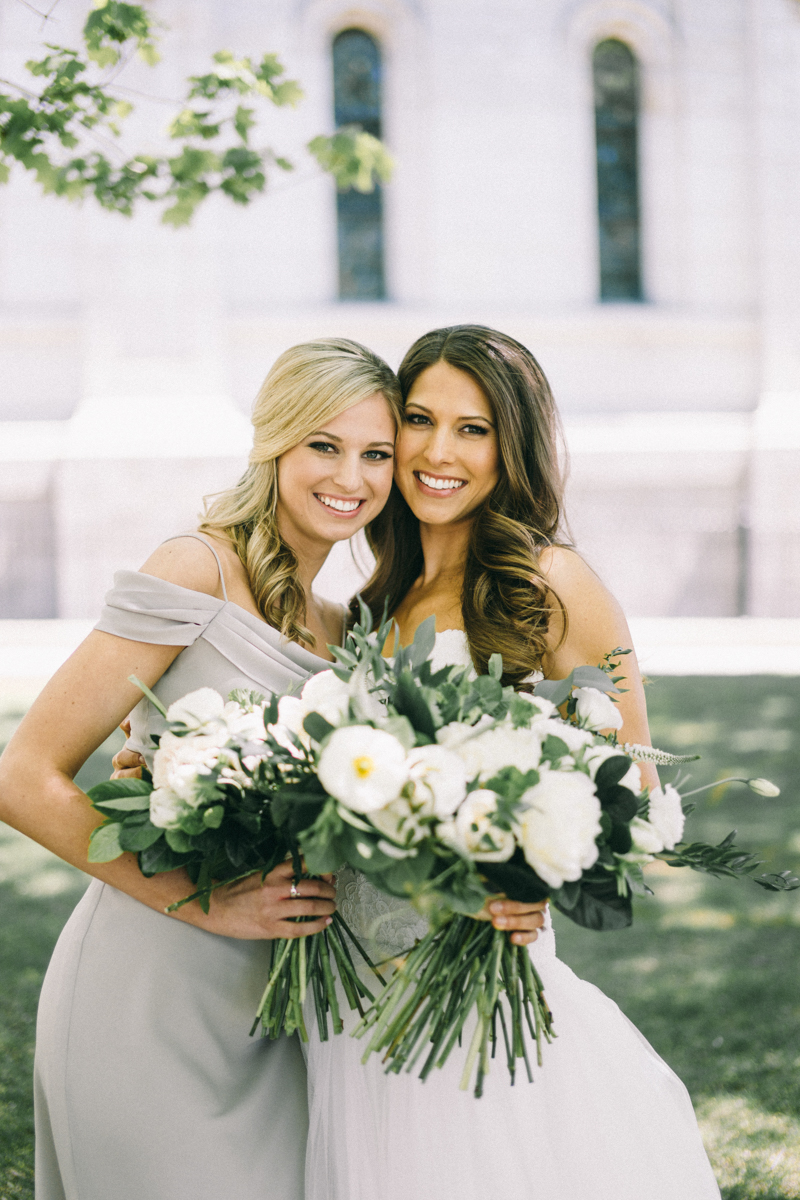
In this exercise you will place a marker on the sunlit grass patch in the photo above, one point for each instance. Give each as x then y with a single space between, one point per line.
756 1154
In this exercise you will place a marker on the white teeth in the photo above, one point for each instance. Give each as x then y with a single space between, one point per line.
340 505
441 485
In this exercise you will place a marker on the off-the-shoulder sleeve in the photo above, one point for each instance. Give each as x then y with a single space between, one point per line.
143 608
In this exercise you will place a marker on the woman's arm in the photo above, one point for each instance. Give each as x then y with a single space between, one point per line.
76 712
596 625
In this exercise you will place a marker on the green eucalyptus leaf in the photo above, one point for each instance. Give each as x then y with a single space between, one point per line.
138 837
104 844
117 789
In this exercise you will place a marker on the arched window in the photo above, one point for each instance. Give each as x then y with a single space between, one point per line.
616 88
357 101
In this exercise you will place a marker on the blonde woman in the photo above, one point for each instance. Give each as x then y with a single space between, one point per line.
147 1085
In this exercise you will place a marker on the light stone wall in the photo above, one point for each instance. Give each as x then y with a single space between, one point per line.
129 353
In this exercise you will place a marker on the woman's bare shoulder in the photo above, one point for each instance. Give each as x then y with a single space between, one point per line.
188 562
569 574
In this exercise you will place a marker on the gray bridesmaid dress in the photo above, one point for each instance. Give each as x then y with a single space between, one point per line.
147 1085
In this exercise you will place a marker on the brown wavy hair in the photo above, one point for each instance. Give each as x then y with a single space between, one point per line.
506 601
307 386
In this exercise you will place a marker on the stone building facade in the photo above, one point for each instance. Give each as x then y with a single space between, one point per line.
614 182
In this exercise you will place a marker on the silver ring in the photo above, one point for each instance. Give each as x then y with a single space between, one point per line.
293 892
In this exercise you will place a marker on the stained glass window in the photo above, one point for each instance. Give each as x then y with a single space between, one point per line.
616 88
357 101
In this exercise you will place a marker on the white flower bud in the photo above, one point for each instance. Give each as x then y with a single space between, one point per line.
763 787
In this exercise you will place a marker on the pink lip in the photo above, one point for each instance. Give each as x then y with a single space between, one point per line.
344 516
440 493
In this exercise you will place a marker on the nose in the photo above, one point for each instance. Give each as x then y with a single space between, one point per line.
439 449
348 475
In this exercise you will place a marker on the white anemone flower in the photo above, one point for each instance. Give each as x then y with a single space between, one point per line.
558 826
595 709
364 768
472 832
439 777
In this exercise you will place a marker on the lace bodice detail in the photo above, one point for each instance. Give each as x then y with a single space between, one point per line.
386 925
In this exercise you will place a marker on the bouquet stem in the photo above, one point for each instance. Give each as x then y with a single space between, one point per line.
465 968
300 962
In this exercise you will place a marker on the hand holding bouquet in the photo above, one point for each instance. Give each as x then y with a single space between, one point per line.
445 789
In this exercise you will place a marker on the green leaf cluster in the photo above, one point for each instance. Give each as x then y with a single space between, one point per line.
78 108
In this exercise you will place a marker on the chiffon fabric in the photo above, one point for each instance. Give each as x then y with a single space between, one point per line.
147 1084
605 1119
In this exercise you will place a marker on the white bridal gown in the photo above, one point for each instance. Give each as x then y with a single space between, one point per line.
605 1118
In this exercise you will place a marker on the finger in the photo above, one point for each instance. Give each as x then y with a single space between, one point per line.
308 887
277 875
511 907
288 929
128 773
284 910
523 939
126 727
126 758
524 921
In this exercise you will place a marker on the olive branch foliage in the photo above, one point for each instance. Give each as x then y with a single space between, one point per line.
65 122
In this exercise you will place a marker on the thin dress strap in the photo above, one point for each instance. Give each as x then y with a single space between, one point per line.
199 538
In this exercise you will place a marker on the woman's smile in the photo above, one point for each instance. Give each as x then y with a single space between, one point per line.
341 506
439 485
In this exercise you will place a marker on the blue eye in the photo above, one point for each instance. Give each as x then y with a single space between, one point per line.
377 455
322 447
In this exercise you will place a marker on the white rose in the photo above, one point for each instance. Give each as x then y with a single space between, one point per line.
471 832
439 777
244 724
364 768
558 826
178 762
596 755
166 808
666 815
489 752
326 694
646 840
574 737
595 709
457 732
545 708
399 821
202 712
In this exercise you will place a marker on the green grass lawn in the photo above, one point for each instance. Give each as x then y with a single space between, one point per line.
709 972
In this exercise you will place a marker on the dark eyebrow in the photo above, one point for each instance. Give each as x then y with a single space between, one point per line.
415 404
333 438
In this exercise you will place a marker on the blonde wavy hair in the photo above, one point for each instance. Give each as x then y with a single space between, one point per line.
307 386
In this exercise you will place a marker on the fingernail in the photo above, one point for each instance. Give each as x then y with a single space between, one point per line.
496 907
500 921
329 920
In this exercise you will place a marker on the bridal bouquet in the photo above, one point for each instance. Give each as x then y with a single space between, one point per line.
446 790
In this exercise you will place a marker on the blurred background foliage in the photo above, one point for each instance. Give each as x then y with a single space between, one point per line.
709 972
